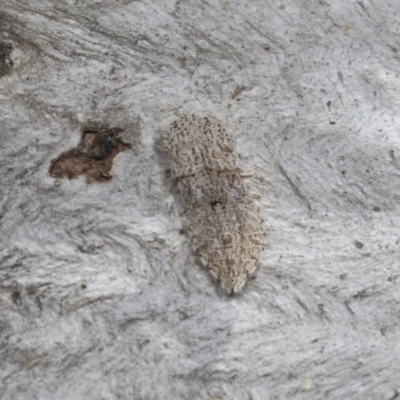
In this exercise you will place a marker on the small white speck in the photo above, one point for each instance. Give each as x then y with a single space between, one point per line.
308 384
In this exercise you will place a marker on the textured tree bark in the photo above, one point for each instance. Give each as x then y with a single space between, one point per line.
101 294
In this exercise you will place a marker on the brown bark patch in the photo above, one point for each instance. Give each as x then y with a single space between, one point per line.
93 157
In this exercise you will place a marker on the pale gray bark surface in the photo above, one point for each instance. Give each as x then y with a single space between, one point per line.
101 295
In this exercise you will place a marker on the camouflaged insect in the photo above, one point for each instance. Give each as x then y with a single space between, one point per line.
223 221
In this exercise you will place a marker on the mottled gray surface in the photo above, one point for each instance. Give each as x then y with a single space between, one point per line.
101 296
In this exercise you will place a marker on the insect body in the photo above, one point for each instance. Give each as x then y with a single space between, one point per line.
223 221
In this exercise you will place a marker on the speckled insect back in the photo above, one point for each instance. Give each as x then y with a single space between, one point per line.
224 223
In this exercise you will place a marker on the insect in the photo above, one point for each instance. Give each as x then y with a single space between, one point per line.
224 223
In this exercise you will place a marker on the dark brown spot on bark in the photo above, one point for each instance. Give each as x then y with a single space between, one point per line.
237 91
16 297
5 60
92 157
358 244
